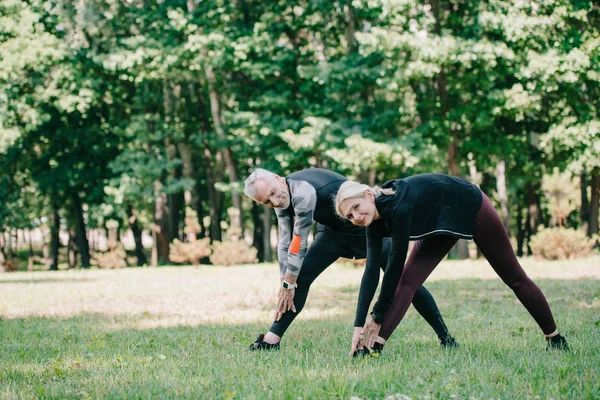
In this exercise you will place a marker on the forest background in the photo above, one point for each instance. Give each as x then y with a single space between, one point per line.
124 117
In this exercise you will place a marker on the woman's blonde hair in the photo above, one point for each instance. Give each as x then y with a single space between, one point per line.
353 189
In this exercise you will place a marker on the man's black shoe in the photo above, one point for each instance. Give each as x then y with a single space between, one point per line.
260 344
449 343
557 342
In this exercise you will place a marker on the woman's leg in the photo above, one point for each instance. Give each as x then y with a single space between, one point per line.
424 257
423 301
493 241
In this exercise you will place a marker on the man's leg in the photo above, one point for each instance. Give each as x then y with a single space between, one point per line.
321 254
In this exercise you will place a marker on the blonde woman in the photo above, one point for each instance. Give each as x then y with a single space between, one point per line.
435 210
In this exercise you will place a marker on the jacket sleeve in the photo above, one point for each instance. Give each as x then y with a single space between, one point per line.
284 223
304 201
399 224
370 279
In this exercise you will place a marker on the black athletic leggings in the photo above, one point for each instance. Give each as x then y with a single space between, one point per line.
492 240
327 247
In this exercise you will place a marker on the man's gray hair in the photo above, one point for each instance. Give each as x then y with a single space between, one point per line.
258 173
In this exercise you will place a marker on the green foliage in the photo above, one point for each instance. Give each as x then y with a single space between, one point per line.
561 244
111 100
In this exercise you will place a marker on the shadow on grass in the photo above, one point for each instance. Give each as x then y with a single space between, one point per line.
460 293
46 280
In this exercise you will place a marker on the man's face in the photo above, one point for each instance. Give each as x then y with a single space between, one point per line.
273 193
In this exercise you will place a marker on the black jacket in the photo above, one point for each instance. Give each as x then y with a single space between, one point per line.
422 205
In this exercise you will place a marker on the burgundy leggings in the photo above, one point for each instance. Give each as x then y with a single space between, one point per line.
492 240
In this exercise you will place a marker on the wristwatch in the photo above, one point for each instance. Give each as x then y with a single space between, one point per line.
289 286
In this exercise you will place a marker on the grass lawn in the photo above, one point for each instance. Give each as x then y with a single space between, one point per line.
183 332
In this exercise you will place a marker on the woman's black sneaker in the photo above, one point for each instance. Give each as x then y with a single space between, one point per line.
260 344
557 342
376 350
364 352
449 343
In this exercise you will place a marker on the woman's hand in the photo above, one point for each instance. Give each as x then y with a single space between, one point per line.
285 302
356 340
371 332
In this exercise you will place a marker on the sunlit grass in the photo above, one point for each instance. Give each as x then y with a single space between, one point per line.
183 332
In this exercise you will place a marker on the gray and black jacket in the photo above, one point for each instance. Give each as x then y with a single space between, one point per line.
312 198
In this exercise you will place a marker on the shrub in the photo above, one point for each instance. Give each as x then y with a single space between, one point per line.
233 253
192 252
356 263
8 266
114 258
561 244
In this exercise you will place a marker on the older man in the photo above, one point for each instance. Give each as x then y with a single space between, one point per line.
298 200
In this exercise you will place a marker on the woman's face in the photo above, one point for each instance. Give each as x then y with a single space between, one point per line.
360 211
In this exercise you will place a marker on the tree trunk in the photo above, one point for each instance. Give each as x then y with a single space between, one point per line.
172 211
594 203
533 213
174 215
2 247
54 236
214 198
443 93
267 215
15 233
137 236
372 177
72 249
160 249
350 28
503 194
257 239
520 232
461 249
200 208
9 244
533 209
584 210
81 236
187 170
215 106
31 255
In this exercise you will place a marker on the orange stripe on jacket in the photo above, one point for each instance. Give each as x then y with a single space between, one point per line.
295 246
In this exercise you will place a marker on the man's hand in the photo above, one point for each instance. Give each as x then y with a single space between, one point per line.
357 340
285 302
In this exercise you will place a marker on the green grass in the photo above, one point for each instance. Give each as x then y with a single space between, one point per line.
183 332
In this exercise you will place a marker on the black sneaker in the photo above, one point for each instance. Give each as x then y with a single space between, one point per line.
364 352
557 342
260 344
449 343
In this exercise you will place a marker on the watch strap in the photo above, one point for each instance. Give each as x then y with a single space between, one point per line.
289 286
